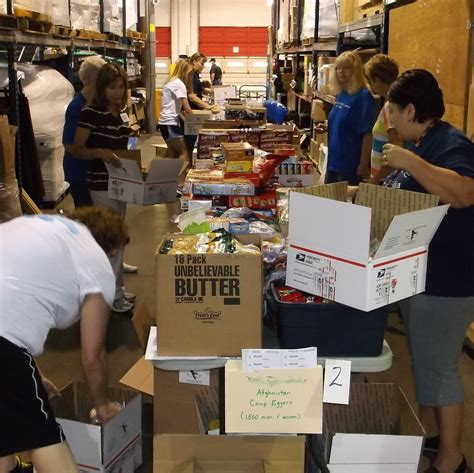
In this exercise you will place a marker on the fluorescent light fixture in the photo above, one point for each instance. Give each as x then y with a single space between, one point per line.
269 3
235 64
161 65
259 64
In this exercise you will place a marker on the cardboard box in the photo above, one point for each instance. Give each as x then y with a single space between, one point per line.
265 200
113 447
273 400
324 261
239 166
238 151
377 432
161 150
317 111
174 409
193 122
228 454
210 304
156 186
229 187
298 180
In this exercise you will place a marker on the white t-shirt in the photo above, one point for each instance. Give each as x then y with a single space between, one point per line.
48 265
171 102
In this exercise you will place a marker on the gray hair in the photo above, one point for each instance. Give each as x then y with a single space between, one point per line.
90 68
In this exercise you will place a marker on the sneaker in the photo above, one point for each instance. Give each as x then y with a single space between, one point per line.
121 305
128 268
130 297
22 467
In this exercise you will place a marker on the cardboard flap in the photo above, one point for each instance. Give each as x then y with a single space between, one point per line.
140 377
164 170
207 406
335 228
64 406
132 154
386 203
336 191
411 230
129 170
142 321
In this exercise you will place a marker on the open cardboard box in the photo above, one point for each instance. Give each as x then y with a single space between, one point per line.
228 454
113 447
330 239
156 185
174 405
378 432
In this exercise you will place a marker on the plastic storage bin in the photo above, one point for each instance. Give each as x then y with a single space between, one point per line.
335 329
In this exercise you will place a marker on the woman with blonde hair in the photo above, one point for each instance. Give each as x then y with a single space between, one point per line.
350 122
174 101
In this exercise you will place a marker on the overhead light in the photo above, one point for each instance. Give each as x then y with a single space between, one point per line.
259 64
161 65
235 64
269 3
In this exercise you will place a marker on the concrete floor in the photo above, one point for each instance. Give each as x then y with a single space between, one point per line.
61 359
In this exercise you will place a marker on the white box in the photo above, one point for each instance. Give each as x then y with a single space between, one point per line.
116 446
128 184
378 432
194 122
329 243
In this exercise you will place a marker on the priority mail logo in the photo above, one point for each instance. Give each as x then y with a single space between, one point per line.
300 257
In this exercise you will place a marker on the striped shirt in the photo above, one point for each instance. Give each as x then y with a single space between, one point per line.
106 131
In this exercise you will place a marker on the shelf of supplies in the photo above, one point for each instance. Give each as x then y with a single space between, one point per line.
329 46
368 22
327 98
307 98
38 39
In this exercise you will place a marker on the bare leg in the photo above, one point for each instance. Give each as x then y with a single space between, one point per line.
7 464
178 150
449 420
56 457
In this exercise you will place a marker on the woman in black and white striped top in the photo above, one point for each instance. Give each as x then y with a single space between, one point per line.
103 127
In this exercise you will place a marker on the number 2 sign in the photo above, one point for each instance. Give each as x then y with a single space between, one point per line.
337 381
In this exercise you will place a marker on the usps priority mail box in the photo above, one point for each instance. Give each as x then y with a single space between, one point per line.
330 243
156 186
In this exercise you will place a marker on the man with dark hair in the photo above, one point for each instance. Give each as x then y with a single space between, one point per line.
54 272
215 73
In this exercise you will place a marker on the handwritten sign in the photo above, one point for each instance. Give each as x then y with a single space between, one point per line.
337 381
273 400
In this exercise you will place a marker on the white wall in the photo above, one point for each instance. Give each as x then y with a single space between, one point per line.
163 13
234 13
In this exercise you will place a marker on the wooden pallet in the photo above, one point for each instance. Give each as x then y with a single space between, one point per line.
136 35
30 25
9 22
113 37
21 13
89 34
63 31
361 13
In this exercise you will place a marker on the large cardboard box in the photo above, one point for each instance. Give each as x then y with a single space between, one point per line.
378 432
330 243
116 446
209 304
228 454
157 185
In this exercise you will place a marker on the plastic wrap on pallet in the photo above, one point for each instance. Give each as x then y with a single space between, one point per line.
49 94
284 29
38 6
132 14
85 15
9 199
309 18
61 13
327 19
113 16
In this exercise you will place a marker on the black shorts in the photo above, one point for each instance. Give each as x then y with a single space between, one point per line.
27 421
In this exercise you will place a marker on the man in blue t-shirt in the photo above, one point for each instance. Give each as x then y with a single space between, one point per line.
75 170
